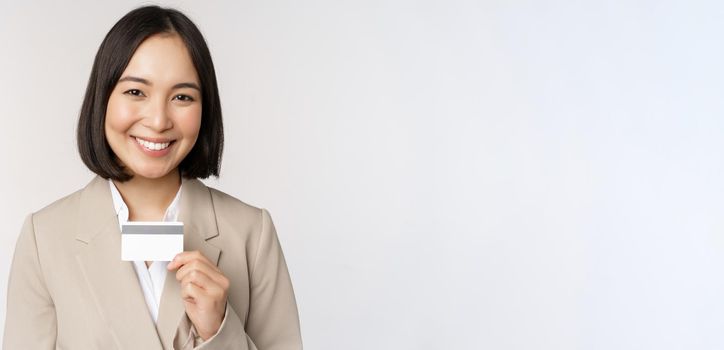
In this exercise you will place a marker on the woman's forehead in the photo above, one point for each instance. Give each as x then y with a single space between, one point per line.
162 59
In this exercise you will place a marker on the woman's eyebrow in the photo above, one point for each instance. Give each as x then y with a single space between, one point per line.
187 85
146 82
136 79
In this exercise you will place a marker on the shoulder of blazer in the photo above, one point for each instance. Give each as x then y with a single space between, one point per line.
232 212
224 201
59 215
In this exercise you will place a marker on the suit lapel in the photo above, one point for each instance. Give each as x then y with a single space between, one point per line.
113 283
197 214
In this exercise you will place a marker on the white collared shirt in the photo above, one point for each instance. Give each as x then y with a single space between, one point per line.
152 278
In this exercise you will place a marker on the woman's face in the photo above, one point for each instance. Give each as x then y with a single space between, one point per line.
154 112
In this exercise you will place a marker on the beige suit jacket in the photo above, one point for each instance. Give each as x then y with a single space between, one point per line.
69 289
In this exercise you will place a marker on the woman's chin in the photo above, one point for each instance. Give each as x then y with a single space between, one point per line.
151 174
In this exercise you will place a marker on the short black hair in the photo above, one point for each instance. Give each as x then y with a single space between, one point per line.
111 60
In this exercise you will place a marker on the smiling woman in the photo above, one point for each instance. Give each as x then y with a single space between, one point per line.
154 112
156 69
150 127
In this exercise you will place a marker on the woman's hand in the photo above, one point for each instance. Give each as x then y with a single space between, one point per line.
203 290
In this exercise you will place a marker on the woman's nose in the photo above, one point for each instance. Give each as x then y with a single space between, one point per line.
157 117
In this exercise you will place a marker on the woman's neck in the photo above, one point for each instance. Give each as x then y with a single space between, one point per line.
147 199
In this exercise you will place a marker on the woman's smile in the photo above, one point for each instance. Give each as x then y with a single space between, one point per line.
154 147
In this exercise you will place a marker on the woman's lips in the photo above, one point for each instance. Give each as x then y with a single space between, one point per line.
154 147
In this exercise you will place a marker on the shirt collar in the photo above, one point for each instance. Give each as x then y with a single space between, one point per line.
121 208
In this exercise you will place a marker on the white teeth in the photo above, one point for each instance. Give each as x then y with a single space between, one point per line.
152 145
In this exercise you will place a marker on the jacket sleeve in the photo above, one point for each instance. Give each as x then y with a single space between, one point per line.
30 322
273 320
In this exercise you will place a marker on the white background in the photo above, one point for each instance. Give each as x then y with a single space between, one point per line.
442 174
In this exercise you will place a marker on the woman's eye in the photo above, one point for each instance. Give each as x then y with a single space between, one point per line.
134 92
185 98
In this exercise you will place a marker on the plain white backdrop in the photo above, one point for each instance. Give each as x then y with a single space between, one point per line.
442 174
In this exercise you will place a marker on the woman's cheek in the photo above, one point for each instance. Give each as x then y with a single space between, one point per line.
120 116
189 121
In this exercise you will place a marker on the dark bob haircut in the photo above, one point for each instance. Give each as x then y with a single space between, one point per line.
113 56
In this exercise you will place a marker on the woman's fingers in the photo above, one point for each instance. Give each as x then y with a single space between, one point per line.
192 266
193 262
185 257
207 286
190 292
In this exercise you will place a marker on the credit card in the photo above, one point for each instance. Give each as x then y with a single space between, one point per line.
151 240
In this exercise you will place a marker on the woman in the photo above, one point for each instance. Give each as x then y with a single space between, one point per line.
149 127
